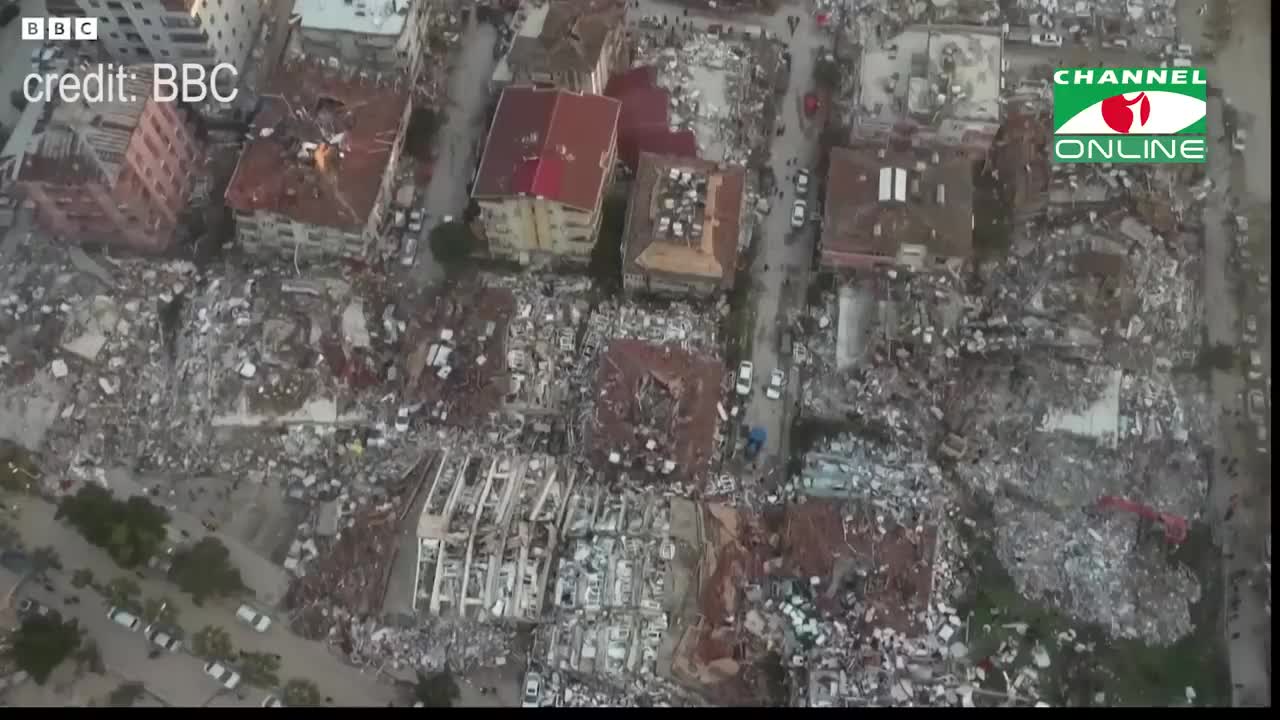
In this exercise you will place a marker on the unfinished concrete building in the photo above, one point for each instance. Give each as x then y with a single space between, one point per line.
684 227
318 172
487 535
932 86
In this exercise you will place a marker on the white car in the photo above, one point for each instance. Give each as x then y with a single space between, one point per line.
272 701
1264 280
253 618
1250 334
1256 406
402 419
225 676
798 214
745 371
802 182
124 619
1255 365
1239 140
410 250
774 390
532 691
163 639
1046 40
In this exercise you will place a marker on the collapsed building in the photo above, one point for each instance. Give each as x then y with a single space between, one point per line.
317 174
684 227
936 86
375 35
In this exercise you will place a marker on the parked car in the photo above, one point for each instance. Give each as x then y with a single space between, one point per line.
1250 334
1255 365
225 676
1046 40
745 372
163 638
1257 406
402 419
253 618
410 249
776 380
532 691
1239 140
802 182
124 619
798 214
1264 280
1263 445
272 701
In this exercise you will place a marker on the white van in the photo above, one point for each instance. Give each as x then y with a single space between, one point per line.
124 619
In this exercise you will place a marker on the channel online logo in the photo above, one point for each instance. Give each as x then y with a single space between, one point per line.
1129 115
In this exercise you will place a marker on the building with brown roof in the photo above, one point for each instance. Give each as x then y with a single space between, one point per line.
546 166
683 227
569 44
117 172
895 207
317 175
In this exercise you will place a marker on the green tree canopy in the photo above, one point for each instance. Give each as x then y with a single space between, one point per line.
130 530
204 570
126 694
437 689
42 643
213 643
260 669
123 592
300 692
451 242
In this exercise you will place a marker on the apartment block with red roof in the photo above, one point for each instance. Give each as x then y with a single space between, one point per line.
546 168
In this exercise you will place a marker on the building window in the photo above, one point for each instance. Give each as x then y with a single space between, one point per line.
146 21
137 6
115 6
115 36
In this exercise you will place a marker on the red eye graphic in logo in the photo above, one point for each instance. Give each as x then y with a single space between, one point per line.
1117 114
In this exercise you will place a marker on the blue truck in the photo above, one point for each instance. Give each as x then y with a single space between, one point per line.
755 441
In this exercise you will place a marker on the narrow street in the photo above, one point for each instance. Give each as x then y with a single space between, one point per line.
1239 503
459 140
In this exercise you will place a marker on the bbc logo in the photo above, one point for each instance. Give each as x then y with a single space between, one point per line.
59 28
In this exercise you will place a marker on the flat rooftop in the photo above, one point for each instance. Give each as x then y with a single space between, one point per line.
363 17
320 145
942 72
684 218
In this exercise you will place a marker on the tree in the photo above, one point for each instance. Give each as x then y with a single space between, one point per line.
161 610
18 471
451 242
123 592
424 123
42 643
131 531
213 643
300 692
82 578
436 690
260 669
205 570
126 694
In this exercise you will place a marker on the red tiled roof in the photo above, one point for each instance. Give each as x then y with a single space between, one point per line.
646 118
549 143
290 165
677 143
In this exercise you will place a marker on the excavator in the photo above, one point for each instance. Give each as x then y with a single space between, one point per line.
1175 526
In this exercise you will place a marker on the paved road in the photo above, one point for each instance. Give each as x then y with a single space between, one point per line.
347 686
783 252
460 139
1238 69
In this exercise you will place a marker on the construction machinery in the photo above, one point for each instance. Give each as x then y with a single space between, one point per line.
1175 526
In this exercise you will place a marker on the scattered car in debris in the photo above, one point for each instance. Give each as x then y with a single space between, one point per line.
802 181
532 691
253 618
798 214
1046 40
402 419
124 619
774 390
1120 43
272 701
225 676
410 250
163 638
745 372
